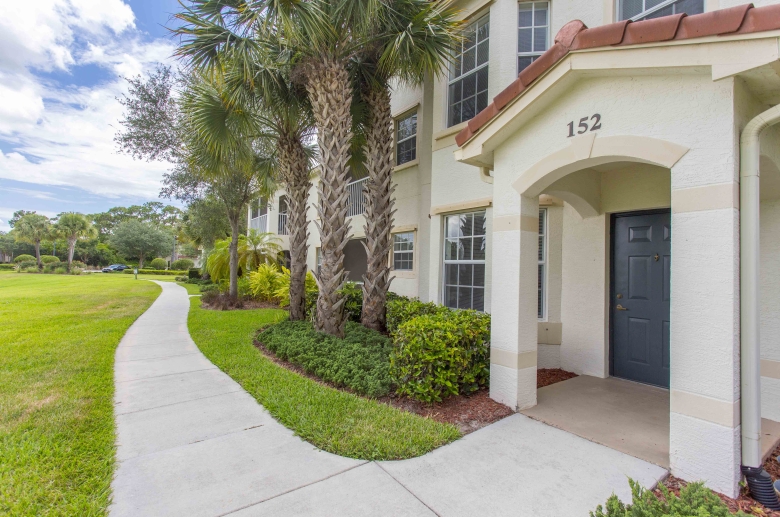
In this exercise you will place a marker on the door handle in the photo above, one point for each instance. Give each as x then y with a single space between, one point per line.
620 308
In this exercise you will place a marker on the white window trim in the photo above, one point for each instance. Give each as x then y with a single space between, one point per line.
549 34
544 262
443 251
474 70
396 142
404 273
647 12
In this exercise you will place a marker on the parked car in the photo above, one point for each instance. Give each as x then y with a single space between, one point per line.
115 267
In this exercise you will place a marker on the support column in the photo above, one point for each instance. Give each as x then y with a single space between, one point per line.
513 354
704 385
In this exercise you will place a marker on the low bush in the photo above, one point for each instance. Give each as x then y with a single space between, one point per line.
24 258
359 362
7 267
158 263
79 264
264 283
401 309
49 259
49 268
209 288
695 500
170 272
27 264
182 264
353 305
181 279
61 270
438 355
194 273
76 270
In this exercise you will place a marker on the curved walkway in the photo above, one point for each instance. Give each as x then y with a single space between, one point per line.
191 441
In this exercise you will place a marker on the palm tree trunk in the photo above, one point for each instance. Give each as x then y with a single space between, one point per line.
379 207
38 253
71 249
294 166
234 225
330 94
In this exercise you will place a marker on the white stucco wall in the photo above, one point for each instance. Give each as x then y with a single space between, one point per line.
770 305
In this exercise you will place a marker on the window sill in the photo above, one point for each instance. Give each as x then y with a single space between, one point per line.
404 274
407 165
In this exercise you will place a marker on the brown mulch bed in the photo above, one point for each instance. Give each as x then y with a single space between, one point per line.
467 412
547 376
744 502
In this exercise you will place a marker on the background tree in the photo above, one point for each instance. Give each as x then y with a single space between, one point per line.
204 222
7 246
18 215
136 239
33 228
73 227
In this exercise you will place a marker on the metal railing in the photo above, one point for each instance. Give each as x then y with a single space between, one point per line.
357 203
282 228
259 223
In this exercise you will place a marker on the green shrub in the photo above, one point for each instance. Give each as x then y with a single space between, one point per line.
439 355
359 362
24 258
182 264
6 267
61 270
181 279
26 264
159 264
354 301
170 272
76 271
695 500
401 309
310 288
49 259
209 288
79 264
194 273
265 282
244 289
51 267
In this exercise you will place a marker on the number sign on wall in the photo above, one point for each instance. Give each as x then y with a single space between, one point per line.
586 124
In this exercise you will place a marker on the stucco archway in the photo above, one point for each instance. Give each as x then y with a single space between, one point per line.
586 152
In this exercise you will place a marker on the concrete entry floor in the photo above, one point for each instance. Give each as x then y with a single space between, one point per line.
626 416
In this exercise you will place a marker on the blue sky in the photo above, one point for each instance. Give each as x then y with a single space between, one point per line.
62 64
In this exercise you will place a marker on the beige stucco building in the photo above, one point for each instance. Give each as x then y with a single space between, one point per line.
593 206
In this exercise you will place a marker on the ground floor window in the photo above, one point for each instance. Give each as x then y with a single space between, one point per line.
403 251
465 243
542 293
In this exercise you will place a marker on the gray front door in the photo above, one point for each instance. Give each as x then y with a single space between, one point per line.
641 265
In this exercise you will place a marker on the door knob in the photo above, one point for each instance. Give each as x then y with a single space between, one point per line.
620 308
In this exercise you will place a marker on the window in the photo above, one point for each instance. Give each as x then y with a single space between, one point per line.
647 9
542 294
403 251
468 84
464 261
533 33
406 139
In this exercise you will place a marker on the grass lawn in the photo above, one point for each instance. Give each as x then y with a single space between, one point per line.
332 420
58 335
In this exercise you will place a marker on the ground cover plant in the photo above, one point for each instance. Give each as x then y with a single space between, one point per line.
360 361
57 341
333 420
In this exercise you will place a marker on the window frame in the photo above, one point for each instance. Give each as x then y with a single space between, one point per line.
648 12
542 266
403 116
484 16
444 261
534 54
410 251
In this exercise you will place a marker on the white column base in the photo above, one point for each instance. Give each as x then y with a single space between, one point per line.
704 451
513 388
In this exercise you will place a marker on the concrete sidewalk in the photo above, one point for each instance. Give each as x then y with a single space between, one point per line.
192 442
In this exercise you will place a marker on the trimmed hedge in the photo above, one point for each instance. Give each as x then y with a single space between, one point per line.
7 267
401 309
49 259
194 273
158 263
441 354
24 258
169 272
182 264
359 362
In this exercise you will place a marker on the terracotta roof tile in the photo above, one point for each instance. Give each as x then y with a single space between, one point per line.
651 31
712 23
760 19
605 35
575 35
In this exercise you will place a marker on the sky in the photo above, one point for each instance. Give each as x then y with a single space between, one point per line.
62 66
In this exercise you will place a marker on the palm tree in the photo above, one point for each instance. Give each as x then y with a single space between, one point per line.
414 39
72 227
321 36
33 228
253 250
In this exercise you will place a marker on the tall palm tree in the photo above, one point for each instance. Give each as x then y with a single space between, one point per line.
33 228
72 226
320 36
253 250
414 39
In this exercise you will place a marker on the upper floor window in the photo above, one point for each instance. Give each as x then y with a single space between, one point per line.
468 84
406 139
533 32
259 207
647 9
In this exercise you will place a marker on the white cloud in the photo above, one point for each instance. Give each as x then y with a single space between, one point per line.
63 135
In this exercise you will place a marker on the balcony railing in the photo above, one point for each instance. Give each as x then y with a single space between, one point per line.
282 228
259 223
357 203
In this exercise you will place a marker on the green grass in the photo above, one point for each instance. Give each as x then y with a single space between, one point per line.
333 420
58 335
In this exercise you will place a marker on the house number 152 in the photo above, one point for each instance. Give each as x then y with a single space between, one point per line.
586 123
